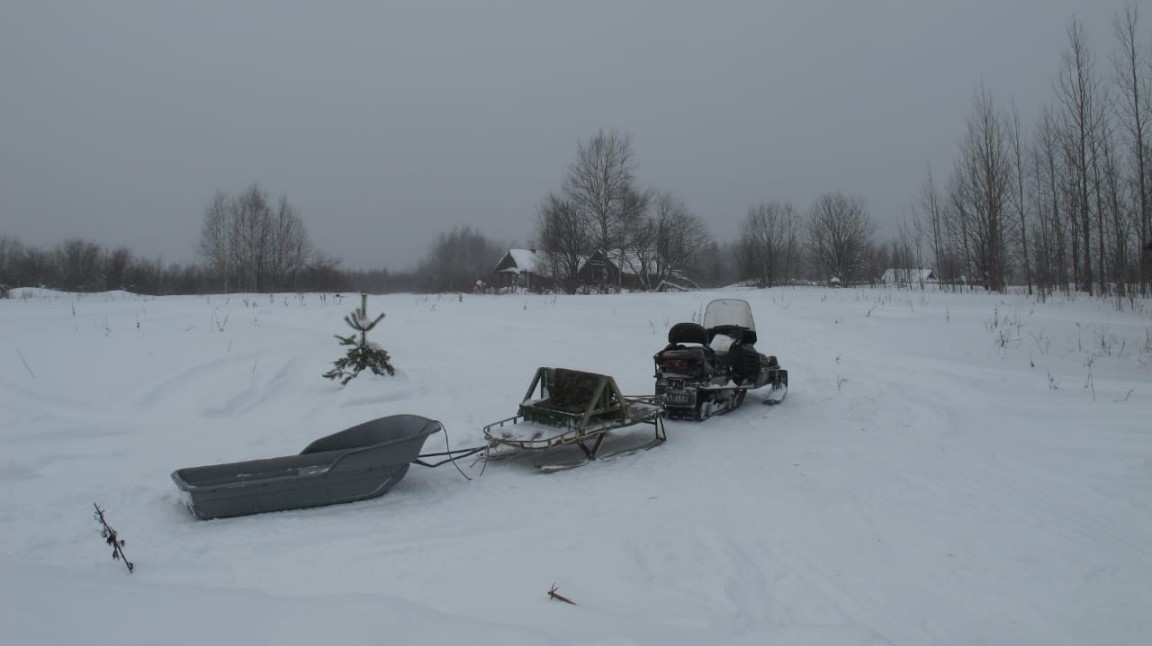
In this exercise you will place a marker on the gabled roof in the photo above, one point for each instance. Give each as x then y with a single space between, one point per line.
525 259
520 260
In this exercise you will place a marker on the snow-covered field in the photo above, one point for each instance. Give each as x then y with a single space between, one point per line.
947 469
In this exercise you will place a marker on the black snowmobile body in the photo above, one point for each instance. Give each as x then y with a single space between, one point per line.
707 369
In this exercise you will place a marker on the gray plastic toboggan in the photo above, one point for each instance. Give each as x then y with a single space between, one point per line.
358 463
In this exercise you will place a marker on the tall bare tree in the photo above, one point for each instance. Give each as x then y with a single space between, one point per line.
632 236
215 240
598 184
117 263
252 226
1078 92
840 235
1114 214
982 191
249 246
1020 171
563 234
11 251
79 262
1132 73
1049 198
959 228
768 243
679 238
908 251
933 224
289 248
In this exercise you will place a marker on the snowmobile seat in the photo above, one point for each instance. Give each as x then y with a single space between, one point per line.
687 333
722 343
741 335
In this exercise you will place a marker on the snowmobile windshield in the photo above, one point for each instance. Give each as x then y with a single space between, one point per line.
729 311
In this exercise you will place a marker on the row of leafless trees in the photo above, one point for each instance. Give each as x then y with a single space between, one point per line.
1066 205
250 258
655 237
457 260
778 245
77 265
247 243
648 233
250 244
82 266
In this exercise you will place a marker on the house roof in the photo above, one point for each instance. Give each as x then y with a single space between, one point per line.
520 260
628 263
525 259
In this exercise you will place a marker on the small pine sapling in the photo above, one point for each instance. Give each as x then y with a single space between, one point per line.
112 539
362 355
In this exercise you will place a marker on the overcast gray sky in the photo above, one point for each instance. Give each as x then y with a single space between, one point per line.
387 123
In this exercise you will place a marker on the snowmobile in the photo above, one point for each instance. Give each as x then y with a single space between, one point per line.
707 369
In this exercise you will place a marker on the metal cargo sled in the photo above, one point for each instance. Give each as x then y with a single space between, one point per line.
565 407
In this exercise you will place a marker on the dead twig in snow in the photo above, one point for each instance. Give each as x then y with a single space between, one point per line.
25 361
113 539
553 594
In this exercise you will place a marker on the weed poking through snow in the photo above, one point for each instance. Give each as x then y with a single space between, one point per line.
112 539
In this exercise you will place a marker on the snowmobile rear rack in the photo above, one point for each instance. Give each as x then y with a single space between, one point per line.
566 407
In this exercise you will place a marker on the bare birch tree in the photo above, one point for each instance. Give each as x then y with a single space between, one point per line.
289 248
215 240
248 246
1078 93
1048 198
1132 74
1020 171
983 190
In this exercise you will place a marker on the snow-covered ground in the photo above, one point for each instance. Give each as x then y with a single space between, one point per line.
947 469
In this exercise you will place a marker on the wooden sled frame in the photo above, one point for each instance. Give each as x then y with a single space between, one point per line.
563 407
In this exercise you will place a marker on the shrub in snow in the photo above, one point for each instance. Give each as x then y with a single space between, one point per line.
362 355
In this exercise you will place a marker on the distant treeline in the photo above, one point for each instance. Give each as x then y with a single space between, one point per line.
78 265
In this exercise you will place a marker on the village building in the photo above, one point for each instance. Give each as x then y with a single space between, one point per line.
521 269
906 277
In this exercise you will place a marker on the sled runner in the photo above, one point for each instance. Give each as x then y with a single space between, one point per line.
360 462
569 407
